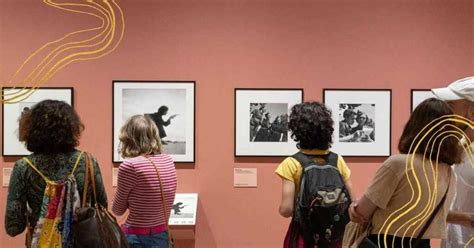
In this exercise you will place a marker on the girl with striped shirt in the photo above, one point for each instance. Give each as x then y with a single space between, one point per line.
146 184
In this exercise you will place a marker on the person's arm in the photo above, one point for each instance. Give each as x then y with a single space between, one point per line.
461 218
362 210
288 172
99 185
126 180
378 194
287 198
346 175
15 214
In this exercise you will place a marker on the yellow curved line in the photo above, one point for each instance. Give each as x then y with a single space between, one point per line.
53 70
424 214
21 96
470 124
432 201
438 121
26 93
46 45
69 45
469 242
466 151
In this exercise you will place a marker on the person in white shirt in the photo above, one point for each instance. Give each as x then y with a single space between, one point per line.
460 96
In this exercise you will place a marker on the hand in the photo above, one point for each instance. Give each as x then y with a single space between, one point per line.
355 216
173 116
358 133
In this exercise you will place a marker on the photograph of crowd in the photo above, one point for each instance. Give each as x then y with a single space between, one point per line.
356 122
268 122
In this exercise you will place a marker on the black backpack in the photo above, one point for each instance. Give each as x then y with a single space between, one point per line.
321 208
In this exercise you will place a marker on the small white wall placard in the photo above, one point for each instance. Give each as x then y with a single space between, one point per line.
7 172
245 177
114 177
183 212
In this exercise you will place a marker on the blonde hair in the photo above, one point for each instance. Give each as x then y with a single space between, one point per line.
139 136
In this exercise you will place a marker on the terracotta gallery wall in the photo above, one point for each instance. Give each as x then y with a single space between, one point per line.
226 44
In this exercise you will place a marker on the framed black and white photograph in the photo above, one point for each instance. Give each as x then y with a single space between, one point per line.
12 113
362 121
261 121
418 96
170 104
184 209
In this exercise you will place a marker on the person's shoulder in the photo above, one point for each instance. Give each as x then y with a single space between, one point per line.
21 163
164 157
397 161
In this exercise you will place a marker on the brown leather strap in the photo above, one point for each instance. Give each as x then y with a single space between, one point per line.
165 209
86 181
91 172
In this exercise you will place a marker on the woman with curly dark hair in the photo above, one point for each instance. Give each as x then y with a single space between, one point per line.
311 126
51 131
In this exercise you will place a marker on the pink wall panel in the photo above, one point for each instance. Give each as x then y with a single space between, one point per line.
227 44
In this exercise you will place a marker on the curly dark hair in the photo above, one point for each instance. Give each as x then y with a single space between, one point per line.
50 127
311 125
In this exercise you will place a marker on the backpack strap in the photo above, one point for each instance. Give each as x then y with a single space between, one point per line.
332 159
28 161
303 159
77 162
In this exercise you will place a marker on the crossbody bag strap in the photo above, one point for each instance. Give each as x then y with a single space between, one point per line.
92 175
433 215
165 209
86 181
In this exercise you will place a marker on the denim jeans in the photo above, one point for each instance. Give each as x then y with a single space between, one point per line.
154 240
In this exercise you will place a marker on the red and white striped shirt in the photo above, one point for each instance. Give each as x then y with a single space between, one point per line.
138 189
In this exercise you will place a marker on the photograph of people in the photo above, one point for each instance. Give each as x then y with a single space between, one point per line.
357 123
268 122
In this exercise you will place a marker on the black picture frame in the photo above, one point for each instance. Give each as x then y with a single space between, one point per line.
34 95
387 129
191 158
237 129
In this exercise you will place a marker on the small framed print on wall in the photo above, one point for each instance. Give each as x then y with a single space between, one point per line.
170 104
12 113
362 121
261 121
418 96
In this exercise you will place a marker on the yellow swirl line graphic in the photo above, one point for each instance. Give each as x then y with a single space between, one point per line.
469 242
104 40
441 123
424 214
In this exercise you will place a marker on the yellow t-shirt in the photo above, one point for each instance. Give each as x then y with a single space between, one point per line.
291 169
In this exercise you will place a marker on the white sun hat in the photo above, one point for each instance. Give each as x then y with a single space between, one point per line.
460 89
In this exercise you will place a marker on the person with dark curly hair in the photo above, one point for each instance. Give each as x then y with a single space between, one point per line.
51 131
311 126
